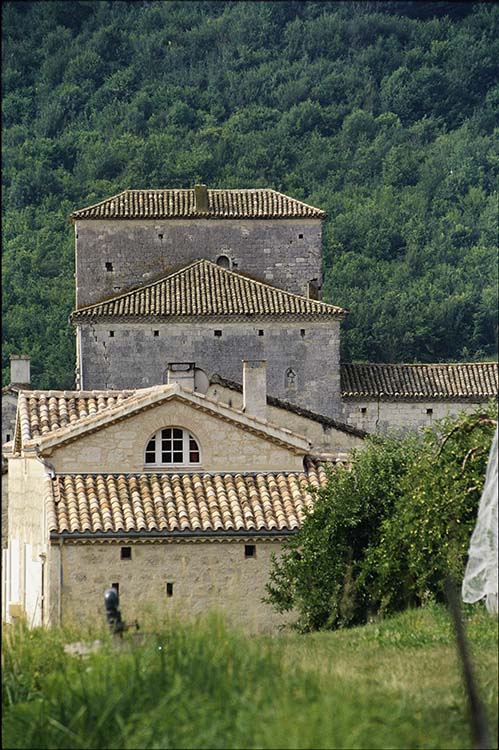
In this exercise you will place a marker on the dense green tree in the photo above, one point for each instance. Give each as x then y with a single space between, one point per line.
384 114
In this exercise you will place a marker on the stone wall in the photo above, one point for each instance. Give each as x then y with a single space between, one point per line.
205 576
115 255
401 415
120 447
324 439
27 540
302 356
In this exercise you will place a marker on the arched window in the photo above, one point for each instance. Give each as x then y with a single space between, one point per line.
223 261
172 445
290 380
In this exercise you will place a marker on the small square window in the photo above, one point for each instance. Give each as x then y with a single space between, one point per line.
218 333
155 333
300 236
302 332
363 410
249 550
109 266
111 334
429 412
169 589
160 236
126 553
260 332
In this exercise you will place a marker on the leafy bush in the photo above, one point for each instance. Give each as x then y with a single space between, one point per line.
384 534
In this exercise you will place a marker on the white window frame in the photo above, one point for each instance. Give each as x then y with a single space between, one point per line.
186 436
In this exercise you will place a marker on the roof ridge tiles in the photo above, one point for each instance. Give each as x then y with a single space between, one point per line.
217 291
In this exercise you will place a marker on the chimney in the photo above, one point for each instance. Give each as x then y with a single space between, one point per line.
255 388
181 373
201 199
20 369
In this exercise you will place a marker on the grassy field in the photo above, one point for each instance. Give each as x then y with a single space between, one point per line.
392 684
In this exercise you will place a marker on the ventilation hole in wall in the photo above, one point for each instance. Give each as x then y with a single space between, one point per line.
126 553
155 333
217 333
223 261
302 332
235 264
111 334
7 437
260 332
429 412
116 586
169 589
249 550
300 236
109 266
160 236
363 410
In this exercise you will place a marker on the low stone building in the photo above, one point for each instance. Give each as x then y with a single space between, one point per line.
176 498
382 397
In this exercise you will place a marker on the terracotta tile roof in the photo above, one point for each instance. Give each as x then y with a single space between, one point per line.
172 503
204 289
49 418
467 381
287 406
181 204
43 412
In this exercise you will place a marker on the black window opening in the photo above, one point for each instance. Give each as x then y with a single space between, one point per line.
260 332
223 261
429 412
111 334
7 437
155 333
117 587
109 266
300 236
363 410
169 589
160 236
217 333
250 550
302 332
126 553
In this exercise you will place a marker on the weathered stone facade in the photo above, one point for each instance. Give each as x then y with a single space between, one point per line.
119 447
204 576
114 256
302 356
402 415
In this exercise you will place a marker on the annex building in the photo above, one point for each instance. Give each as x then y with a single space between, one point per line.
209 402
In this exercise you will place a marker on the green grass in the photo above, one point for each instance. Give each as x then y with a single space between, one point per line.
392 684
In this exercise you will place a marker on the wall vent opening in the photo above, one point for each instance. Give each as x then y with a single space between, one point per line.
429 412
300 236
260 332
160 236
250 550
363 410
169 589
217 333
111 334
109 266
155 333
126 553
302 332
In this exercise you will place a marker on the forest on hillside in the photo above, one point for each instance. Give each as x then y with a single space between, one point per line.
384 114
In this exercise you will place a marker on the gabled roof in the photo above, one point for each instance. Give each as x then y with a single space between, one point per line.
467 381
181 204
299 410
182 504
204 289
39 414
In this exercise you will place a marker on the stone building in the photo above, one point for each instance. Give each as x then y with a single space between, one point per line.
173 497
172 471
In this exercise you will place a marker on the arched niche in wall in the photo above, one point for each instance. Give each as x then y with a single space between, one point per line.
223 261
